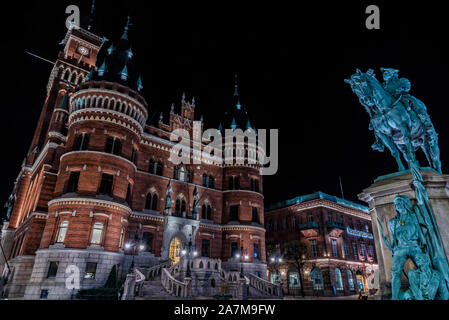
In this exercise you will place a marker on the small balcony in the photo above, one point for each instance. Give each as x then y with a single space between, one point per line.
335 225
335 228
309 229
309 225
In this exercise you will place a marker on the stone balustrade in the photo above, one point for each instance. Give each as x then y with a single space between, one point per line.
156 270
270 289
175 287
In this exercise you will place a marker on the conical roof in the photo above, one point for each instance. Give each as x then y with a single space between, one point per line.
236 116
119 65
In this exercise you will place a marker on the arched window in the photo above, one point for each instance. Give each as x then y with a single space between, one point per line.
176 173
350 280
183 206
189 176
148 201
63 226
154 203
182 174
159 168
178 206
203 212
96 233
204 180
338 279
317 279
122 236
151 168
212 283
209 213
211 182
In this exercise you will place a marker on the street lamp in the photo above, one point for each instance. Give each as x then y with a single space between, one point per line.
276 260
190 253
134 245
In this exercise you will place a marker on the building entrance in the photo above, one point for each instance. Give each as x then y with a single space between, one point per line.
175 250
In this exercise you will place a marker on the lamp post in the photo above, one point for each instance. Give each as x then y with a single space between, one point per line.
134 245
190 253
276 260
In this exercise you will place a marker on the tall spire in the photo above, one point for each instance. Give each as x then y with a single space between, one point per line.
237 103
125 33
236 87
91 15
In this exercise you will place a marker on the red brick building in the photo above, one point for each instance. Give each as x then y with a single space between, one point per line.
96 178
340 245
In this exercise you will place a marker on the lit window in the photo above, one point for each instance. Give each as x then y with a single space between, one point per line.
293 280
338 279
363 251
91 270
371 251
256 251
62 231
96 233
334 248
122 233
317 279
350 280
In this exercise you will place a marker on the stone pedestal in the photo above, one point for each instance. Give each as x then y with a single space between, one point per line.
380 196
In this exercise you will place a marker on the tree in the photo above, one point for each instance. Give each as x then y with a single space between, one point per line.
296 252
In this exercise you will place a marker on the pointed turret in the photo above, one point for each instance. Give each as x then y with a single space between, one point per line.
139 84
129 53
124 73
111 49
125 33
233 124
236 115
102 69
90 75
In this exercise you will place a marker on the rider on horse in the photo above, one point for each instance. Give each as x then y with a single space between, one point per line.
399 88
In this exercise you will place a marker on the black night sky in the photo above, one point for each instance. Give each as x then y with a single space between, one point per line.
291 59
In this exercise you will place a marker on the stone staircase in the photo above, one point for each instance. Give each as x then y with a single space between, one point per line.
153 290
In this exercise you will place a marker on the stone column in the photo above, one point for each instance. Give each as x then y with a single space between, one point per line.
380 196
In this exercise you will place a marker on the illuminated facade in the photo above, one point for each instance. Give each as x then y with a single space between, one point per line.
96 176
341 257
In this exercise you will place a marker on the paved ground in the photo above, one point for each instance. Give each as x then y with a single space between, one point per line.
354 297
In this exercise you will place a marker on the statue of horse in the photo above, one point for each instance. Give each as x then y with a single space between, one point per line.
399 123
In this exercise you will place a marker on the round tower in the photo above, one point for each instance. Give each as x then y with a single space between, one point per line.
243 209
88 216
